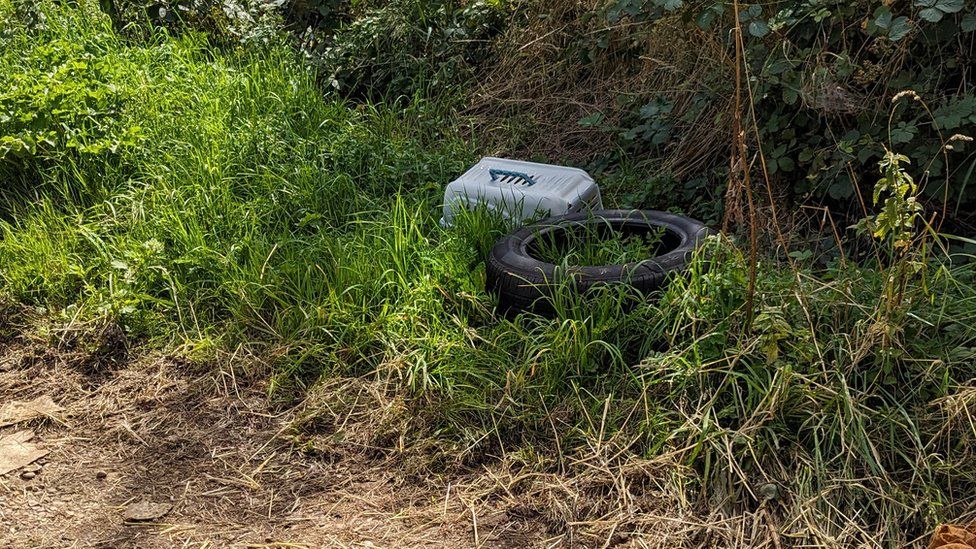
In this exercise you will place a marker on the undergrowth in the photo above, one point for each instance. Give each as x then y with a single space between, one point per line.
202 198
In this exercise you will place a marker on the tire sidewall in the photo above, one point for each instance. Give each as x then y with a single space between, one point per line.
509 258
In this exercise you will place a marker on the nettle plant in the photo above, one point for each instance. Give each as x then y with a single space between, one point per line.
896 226
897 219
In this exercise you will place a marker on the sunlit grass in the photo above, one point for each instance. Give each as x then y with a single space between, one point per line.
255 211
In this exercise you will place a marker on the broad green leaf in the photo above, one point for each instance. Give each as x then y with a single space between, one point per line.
790 96
705 19
840 189
900 27
758 28
882 17
950 6
591 120
650 110
931 14
968 23
673 5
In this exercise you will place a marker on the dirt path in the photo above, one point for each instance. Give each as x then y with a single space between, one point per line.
159 430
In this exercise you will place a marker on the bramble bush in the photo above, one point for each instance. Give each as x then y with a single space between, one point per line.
822 75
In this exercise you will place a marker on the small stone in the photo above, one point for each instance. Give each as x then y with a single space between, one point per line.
100 475
27 475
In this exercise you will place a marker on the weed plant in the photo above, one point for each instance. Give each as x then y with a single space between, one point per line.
243 208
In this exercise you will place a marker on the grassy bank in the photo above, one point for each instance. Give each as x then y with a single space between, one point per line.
209 198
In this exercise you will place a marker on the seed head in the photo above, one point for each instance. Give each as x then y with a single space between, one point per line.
904 93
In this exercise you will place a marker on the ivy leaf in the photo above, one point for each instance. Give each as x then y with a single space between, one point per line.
903 133
925 3
758 28
899 28
931 14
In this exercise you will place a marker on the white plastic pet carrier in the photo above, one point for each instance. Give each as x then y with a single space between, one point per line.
520 190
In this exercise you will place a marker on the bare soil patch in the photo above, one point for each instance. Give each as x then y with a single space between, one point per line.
147 433
143 449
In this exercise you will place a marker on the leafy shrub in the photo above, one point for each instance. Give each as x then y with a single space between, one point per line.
61 95
406 47
224 21
822 75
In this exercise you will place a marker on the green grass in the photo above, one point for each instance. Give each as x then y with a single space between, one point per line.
194 195
596 245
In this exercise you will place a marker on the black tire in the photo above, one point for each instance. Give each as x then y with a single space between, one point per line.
523 283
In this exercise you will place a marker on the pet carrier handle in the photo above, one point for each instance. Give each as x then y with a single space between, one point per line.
495 173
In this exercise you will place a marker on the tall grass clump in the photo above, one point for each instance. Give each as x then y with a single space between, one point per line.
198 194
234 168
842 410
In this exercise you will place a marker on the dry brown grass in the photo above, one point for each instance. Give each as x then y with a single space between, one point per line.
347 465
539 90
353 461
206 440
